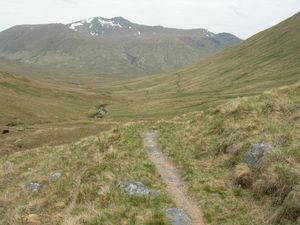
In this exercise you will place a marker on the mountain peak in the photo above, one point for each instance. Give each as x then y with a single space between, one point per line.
121 27
98 26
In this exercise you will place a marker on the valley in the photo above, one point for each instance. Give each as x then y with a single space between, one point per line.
211 108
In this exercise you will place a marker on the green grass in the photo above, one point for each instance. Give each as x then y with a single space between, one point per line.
196 143
24 101
233 90
268 60
87 193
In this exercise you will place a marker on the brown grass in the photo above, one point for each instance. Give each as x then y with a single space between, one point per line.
243 176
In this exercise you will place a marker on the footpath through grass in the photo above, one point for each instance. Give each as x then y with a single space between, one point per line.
209 149
87 193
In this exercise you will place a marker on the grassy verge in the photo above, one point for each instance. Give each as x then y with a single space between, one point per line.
198 143
87 193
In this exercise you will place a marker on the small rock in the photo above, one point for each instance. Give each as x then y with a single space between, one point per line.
255 154
55 177
32 186
136 188
178 216
101 112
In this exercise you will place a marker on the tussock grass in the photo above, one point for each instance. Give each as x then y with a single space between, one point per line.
87 193
198 143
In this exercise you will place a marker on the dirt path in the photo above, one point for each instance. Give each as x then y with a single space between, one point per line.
175 187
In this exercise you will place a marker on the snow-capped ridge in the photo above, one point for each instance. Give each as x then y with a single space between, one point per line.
94 21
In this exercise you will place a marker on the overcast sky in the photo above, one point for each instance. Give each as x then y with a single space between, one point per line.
240 17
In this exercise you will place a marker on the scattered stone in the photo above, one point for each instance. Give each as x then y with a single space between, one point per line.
32 186
178 216
5 130
255 154
136 188
101 112
55 177
243 176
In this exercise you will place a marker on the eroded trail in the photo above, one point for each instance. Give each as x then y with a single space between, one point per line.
175 186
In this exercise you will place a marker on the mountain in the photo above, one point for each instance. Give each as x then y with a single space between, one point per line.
267 60
239 161
120 27
102 47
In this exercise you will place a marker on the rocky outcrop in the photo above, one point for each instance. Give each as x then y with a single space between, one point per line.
255 154
55 177
178 216
136 188
32 186
101 112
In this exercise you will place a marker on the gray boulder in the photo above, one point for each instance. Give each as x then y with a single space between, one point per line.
136 188
101 112
255 154
55 177
32 186
178 216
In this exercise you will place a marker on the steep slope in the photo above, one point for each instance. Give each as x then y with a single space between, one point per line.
267 60
109 47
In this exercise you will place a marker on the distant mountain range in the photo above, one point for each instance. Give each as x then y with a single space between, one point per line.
109 47
120 27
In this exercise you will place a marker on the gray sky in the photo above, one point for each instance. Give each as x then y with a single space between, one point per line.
240 17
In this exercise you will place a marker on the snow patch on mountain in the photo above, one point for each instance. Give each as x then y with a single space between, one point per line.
73 26
108 23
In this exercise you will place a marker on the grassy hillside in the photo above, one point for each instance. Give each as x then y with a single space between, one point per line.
26 101
268 59
87 192
209 147
40 114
